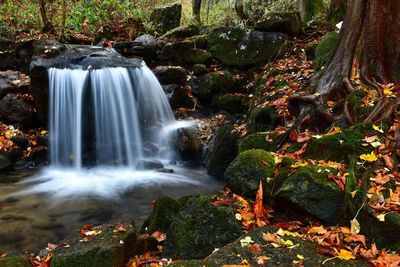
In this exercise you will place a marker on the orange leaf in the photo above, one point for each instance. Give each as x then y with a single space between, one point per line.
255 249
293 135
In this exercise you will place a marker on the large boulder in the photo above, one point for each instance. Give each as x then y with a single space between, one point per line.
199 228
231 103
243 47
111 247
170 74
211 84
324 49
179 96
184 52
262 119
16 55
289 23
166 18
221 150
14 109
268 142
244 174
13 82
182 32
309 189
188 144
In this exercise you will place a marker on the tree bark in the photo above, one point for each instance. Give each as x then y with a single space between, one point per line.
196 8
301 5
337 9
64 16
47 26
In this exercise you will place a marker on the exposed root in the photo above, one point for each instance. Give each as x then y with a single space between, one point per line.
347 114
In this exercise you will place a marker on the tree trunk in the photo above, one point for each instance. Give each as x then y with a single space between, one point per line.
337 9
64 16
47 26
196 8
301 5
239 9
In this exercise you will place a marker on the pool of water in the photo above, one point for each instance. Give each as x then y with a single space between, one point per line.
45 205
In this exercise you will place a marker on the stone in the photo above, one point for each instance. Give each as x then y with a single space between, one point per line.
5 161
266 142
16 55
164 212
199 228
210 84
200 41
261 119
325 48
184 52
179 96
145 46
244 174
188 144
245 47
170 74
14 109
149 165
49 48
289 23
183 31
278 256
13 82
221 150
110 248
231 103
309 189
166 18
199 69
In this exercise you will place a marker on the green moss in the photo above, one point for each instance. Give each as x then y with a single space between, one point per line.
314 9
244 174
261 119
338 147
324 49
358 111
309 189
231 103
199 228
163 214
266 142
15 261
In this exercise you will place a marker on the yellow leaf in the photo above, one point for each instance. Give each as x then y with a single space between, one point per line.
369 157
282 232
43 132
387 92
354 226
376 128
376 144
301 257
381 217
317 230
353 194
345 255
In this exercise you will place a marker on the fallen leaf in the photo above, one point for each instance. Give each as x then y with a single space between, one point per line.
354 226
345 255
246 241
255 249
369 157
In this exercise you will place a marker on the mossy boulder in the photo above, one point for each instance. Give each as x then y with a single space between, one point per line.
170 74
278 256
15 261
199 69
221 150
166 18
182 32
285 22
338 147
184 52
231 103
310 190
324 49
200 41
210 84
259 141
262 119
244 174
163 214
179 96
110 248
244 47
199 228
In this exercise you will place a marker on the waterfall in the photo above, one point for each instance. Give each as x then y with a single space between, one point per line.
113 116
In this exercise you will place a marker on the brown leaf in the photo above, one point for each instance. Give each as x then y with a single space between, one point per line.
259 210
293 225
255 249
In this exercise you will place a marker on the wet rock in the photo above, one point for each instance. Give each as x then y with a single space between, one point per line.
184 52
310 190
164 212
262 119
278 256
187 144
243 47
145 46
166 18
324 49
199 228
49 48
108 248
5 161
182 32
211 84
149 165
221 150
231 103
170 74
289 23
179 96
14 109
244 174
199 69
13 82
16 55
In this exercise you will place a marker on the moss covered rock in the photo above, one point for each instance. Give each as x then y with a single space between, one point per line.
221 150
210 84
244 173
338 147
199 228
166 18
184 52
200 41
182 32
259 141
324 49
164 212
110 248
288 23
231 103
310 190
278 256
15 261
170 74
243 47
261 119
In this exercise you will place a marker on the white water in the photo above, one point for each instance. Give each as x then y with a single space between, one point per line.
117 116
